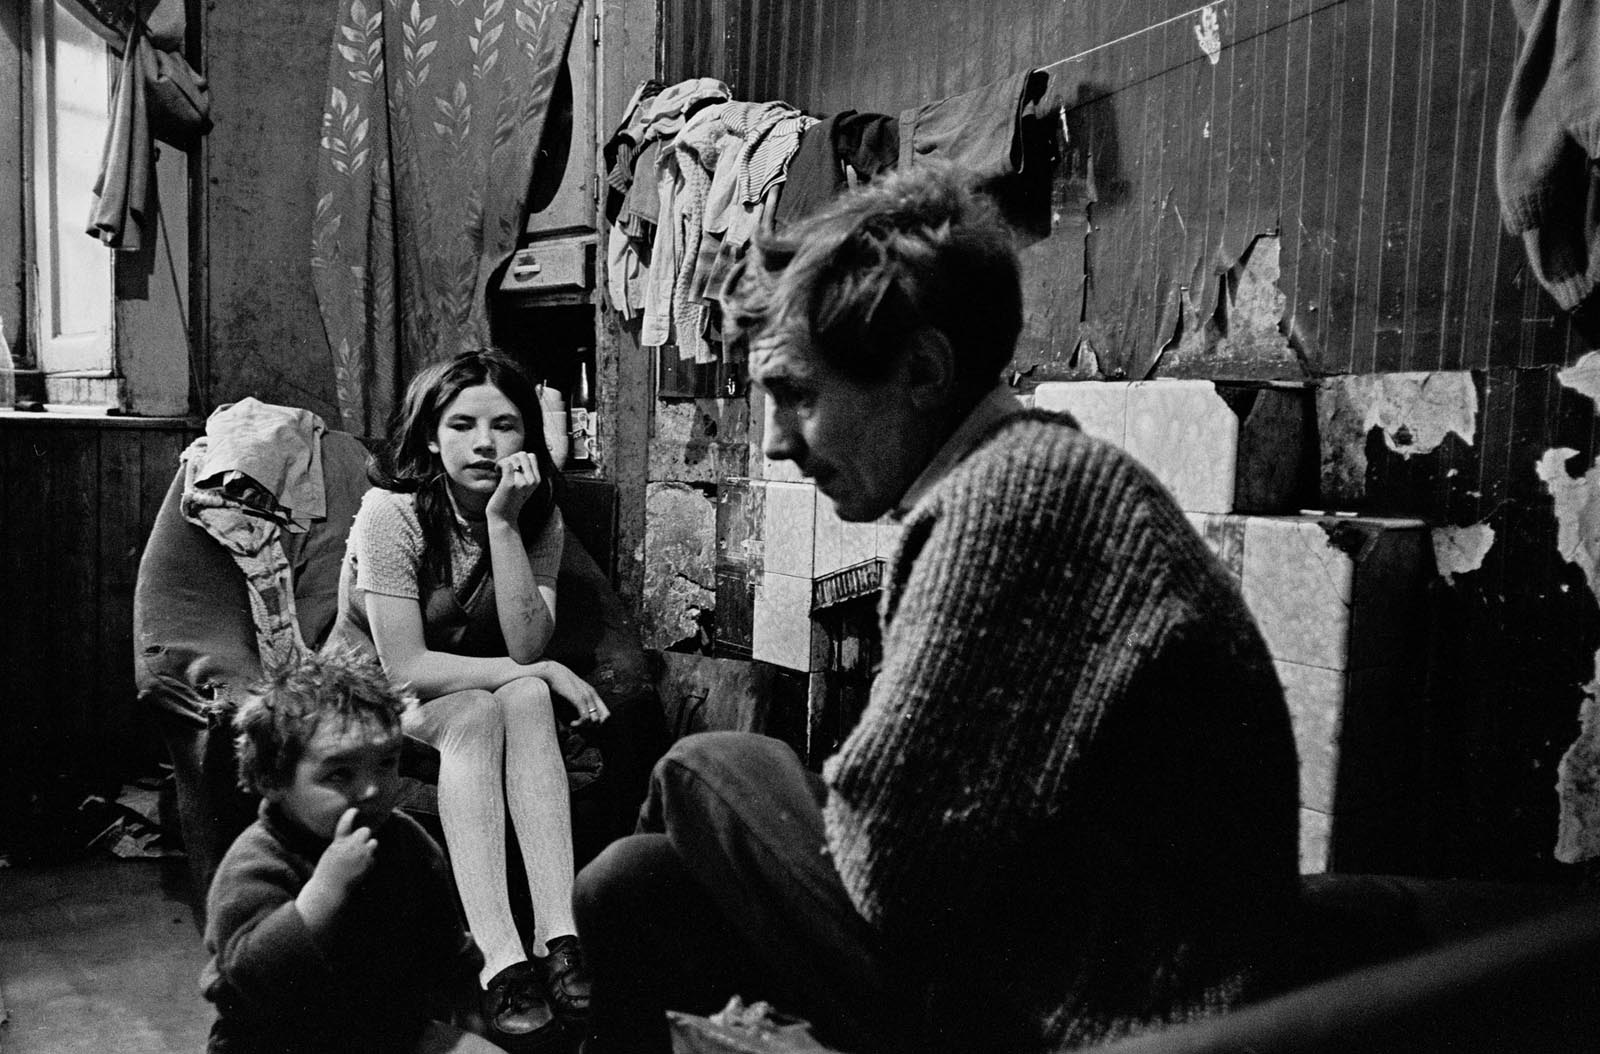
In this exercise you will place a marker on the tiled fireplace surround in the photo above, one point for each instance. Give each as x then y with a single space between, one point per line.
1337 597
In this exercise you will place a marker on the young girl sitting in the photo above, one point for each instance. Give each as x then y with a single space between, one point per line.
450 574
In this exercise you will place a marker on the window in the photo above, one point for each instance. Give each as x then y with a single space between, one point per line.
72 77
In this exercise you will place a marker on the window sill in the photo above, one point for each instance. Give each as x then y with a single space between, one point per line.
68 416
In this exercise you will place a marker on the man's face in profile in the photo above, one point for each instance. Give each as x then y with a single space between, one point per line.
861 442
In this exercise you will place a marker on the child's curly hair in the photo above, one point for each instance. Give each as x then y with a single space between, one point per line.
281 712
918 248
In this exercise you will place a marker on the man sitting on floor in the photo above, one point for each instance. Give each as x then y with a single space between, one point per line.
1068 812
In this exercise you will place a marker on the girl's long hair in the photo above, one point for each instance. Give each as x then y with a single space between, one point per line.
405 464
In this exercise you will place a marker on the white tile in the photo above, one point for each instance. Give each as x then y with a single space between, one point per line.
1184 433
1298 585
840 543
1316 701
781 633
1101 407
1224 536
788 531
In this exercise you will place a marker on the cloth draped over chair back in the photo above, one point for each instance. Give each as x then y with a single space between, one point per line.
434 113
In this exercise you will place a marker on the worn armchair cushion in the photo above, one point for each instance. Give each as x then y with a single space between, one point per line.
191 616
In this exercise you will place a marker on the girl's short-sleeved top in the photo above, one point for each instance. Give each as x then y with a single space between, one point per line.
385 556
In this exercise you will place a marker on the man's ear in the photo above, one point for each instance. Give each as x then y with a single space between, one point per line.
930 369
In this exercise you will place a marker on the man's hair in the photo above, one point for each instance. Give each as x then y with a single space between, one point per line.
282 711
918 248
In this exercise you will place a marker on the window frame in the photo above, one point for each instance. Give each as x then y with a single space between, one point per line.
56 350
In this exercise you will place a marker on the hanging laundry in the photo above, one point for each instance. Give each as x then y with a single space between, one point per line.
981 129
666 253
769 144
621 150
628 245
696 151
669 112
746 190
122 190
758 141
1549 145
867 142
675 105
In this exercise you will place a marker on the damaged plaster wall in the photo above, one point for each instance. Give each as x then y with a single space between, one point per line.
1414 412
1461 550
1577 512
1243 335
698 440
680 579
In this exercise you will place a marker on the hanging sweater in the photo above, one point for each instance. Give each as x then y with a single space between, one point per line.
1548 142
1069 809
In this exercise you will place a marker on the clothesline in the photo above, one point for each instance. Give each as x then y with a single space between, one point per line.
1215 4
1135 33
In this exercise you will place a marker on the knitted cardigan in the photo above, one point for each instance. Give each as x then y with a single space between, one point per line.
1069 809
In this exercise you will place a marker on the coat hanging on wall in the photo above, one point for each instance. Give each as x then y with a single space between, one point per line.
433 118
158 96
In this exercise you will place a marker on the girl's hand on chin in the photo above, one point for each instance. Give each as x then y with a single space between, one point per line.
519 478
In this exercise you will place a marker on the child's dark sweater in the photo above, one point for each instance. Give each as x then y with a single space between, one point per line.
397 942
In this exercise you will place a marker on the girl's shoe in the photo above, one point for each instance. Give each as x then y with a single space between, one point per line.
566 981
514 1002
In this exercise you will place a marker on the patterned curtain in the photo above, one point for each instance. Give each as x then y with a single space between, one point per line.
433 119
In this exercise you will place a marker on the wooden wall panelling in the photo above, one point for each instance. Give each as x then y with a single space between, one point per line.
1361 130
120 514
1496 258
67 721
76 504
1377 164
24 532
1438 120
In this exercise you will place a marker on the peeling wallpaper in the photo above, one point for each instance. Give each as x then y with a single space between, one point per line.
1577 512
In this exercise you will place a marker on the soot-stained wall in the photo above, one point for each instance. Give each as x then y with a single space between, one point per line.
1299 190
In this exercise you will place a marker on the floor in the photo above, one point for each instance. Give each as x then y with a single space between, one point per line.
103 955
100 955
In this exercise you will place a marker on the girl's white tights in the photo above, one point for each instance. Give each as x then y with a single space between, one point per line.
498 752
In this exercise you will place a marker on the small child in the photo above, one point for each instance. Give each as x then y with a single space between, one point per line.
333 924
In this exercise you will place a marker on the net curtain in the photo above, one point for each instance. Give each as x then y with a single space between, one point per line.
432 122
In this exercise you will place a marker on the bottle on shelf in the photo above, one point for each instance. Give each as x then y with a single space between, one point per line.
554 408
583 420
